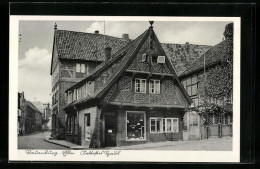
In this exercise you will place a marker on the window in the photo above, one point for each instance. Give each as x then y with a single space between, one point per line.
191 85
69 96
80 68
159 125
135 126
75 94
156 125
144 57
154 86
140 85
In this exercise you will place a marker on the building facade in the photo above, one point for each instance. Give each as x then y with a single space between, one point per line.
193 80
30 118
133 97
75 55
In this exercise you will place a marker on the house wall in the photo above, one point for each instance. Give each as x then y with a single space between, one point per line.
124 92
94 140
67 77
150 137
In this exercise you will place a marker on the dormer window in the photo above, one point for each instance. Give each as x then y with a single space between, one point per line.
80 68
69 96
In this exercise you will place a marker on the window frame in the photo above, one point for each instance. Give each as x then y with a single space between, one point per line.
154 84
140 85
161 124
190 86
144 115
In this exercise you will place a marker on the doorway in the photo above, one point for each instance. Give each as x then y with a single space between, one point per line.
110 130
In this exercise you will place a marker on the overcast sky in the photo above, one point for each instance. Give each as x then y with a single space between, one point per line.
36 43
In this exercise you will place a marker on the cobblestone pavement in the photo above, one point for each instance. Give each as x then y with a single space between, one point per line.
212 144
36 141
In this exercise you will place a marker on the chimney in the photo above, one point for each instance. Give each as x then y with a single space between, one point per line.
107 53
125 37
228 31
96 32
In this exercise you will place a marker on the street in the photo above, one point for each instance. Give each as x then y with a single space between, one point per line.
212 144
36 141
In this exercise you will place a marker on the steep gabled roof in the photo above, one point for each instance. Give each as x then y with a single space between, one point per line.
30 104
39 105
131 50
212 56
85 46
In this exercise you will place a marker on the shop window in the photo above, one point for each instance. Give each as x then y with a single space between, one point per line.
135 126
140 85
154 86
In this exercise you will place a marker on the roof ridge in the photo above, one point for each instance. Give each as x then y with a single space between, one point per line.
98 34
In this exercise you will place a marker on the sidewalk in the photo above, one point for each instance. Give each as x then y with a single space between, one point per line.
212 144
64 143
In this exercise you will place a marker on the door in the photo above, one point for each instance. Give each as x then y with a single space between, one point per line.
110 130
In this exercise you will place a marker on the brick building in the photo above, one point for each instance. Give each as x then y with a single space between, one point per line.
133 97
30 118
76 54
193 80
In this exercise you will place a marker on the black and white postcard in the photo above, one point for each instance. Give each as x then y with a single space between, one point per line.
145 89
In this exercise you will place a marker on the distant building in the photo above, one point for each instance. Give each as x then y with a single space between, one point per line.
46 113
29 117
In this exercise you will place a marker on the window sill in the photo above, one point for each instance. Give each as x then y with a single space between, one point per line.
137 140
164 132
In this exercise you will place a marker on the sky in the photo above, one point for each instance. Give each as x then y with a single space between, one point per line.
36 41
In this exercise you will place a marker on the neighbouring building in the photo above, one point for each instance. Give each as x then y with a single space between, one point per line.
133 97
75 55
44 108
21 112
193 80
30 118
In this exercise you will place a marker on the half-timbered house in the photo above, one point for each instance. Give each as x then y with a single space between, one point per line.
194 79
133 97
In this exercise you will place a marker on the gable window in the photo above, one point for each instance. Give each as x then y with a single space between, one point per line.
140 85
80 68
154 86
144 57
164 125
